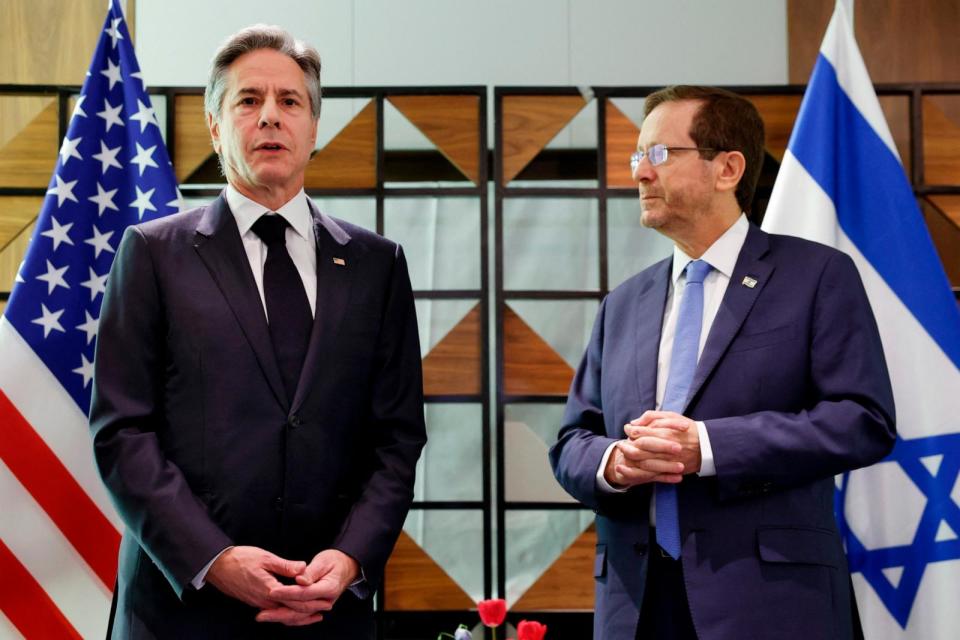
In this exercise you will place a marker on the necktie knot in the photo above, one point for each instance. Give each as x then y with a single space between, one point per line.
697 270
271 229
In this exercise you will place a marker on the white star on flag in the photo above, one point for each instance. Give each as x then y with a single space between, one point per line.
142 203
139 76
50 320
63 191
144 158
104 199
89 326
96 284
108 157
113 73
85 369
54 277
114 32
100 241
69 150
145 116
58 233
78 109
177 203
111 114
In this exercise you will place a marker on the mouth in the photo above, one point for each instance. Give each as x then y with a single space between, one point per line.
270 146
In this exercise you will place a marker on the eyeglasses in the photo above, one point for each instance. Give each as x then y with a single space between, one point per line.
658 154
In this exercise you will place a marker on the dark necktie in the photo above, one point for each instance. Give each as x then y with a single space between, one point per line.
683 364
288 310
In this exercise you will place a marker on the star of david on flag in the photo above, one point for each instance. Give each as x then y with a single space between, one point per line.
59 535
841 183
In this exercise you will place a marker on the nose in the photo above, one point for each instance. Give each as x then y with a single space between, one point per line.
269 114
643 171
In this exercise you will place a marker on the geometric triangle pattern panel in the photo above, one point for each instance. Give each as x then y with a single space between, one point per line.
531 366
349 160
16 213
942 215
622 136
529 123
451 123
452 367
192 146
941 142
29 156
414 582
568 583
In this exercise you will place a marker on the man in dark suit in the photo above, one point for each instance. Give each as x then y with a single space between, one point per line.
257 407
721 391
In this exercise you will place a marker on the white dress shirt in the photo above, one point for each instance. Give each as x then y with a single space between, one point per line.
301 242
301 239
722 256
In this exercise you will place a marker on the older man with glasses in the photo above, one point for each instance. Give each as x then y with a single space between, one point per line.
721 391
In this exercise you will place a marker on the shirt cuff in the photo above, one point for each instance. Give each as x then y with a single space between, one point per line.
360 587
707 466
602 485
201 578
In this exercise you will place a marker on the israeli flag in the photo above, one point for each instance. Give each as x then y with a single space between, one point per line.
841 183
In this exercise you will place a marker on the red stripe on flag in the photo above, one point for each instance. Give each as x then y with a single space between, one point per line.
58 493
27 605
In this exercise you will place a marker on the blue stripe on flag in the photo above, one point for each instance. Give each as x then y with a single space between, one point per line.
874 202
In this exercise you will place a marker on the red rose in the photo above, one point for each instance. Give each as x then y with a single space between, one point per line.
531 630
492 612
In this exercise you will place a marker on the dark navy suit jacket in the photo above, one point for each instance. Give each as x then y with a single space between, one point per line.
793 388
198 445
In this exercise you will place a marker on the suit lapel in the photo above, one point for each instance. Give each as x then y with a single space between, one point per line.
337 262
649 306
736 304
220 248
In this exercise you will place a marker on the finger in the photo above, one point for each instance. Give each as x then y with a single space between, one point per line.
650 415
662 466
287 616
629 476
308 606
669 478
323 590
656 444
675 422
280 566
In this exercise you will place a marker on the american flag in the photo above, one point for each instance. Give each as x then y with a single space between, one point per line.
59 534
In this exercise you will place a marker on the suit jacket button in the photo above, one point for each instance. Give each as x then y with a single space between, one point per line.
295 421
640 548
278 504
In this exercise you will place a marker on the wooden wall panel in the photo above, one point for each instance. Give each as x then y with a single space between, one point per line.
50 41
192 145
12 255
531 366
941 141
453 365
901 40
622 136
779 114
529 123
16 213
568 583
350 159
414 582
942 214
451 123
29 157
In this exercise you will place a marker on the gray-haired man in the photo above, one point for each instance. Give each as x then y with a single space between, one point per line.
257 410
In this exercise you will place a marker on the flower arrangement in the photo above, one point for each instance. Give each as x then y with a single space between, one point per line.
492 614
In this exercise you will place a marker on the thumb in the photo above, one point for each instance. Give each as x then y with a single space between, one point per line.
280 566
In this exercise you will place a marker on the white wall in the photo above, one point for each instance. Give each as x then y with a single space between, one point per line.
488 42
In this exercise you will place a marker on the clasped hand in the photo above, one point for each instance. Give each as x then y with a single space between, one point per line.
661 446
250 574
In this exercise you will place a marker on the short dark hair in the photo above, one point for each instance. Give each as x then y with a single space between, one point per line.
262 36
726 122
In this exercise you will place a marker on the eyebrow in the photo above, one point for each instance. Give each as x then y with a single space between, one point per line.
257 91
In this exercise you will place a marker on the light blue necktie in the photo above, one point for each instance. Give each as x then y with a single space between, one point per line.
683 364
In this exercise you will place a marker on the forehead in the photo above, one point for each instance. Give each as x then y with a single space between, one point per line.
263 69
669 123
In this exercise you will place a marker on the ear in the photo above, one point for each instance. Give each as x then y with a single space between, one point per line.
214 127
732 166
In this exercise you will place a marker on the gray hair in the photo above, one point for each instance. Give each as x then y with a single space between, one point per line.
262 36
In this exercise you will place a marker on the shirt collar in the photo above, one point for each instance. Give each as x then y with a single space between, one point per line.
722 254
296 211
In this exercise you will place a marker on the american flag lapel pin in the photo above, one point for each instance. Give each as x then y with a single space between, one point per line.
749 282
340 262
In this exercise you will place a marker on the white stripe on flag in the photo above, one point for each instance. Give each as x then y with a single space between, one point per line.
928 616
841 50
7 630
37 542
52 413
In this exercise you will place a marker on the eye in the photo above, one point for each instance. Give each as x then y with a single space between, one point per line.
291 102
248 100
